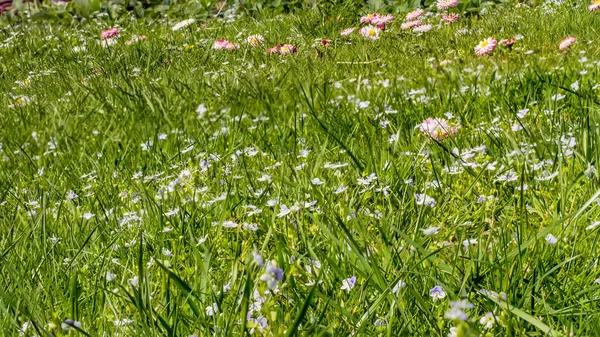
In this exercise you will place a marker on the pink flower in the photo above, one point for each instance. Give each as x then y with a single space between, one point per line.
566 42
282 50
379 20
410 24
437 128
273 50
367 18
508 43
445 4
486 46
594 6
109 33
255 40
347 31
450 18
414 14
287 49
422 28
224 44
370 32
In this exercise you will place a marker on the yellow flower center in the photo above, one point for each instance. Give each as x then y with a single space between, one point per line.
254 40
596 2
372 32
19 100
483 43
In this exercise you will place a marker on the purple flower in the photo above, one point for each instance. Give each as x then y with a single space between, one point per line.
272 275
437 292
348 284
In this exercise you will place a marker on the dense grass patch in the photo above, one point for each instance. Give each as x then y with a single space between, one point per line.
151 184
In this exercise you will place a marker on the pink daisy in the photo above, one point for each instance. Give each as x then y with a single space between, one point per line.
273 50
109 33
508 43
414 14
370 32
367 18
486 46
382 19
594 6
224 44
450 18
282 50
445 4
287 49
410 24
347 31
566 42
437 128
422 28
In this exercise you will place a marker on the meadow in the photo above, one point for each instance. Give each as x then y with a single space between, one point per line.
324 171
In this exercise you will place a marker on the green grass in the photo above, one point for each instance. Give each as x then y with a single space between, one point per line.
158 209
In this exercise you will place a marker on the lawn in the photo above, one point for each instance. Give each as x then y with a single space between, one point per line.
275 173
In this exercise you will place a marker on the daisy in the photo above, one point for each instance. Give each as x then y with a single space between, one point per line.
183 24
370 32
566 42
368 18
382 19
287 49
422 28
509 42
255 40
224 44
325 42
347 31
410 24
445 4
594 6
109 33
486 46
436 128
450 18
414 14
273 50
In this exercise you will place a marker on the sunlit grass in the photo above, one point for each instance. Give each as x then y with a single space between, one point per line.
162 187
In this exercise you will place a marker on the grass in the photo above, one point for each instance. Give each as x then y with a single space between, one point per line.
123 204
